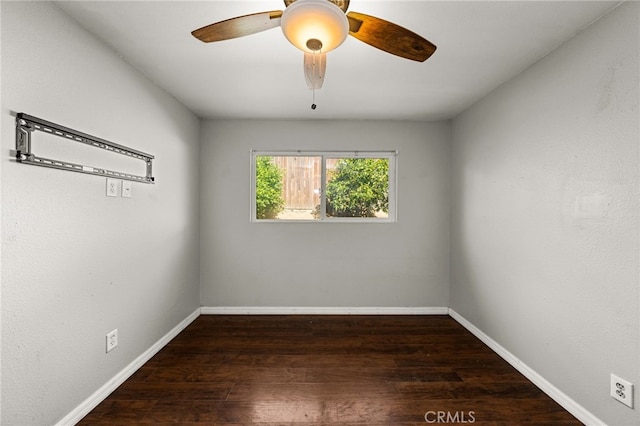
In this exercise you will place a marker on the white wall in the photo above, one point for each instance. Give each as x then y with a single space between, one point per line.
403 264
76 264
545 254
1 232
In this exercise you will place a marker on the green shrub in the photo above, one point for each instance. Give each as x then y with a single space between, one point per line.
359 187
269 200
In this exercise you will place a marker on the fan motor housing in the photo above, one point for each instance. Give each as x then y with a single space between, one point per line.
342 4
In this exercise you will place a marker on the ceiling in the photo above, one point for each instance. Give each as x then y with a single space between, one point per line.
481 44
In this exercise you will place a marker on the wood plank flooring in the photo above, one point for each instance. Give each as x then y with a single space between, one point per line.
327 370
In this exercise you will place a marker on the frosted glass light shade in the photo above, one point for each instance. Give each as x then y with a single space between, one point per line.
315 66
314 20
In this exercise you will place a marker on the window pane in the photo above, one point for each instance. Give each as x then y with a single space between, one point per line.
312 186
288 187
357 187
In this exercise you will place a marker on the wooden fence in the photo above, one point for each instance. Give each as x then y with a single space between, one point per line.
302 180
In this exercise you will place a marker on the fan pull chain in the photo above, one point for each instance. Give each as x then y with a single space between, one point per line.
314 64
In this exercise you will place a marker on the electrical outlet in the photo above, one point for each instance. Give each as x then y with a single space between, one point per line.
113 187
622 390
112 340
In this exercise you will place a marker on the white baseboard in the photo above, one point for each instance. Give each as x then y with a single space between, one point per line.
547 387
98 396
310 310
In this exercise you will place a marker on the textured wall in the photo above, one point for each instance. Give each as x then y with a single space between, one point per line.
545 255
403 264
76 264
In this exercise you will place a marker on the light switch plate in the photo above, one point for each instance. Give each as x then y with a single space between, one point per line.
127 189
113 187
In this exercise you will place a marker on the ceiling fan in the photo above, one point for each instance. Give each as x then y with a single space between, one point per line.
319 26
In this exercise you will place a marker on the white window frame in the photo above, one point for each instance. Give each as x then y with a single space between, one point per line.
392 156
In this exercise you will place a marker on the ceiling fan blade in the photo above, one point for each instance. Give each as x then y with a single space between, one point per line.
239 26
389 37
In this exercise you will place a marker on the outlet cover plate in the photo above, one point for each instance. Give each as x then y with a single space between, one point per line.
113 187
622 390
112 340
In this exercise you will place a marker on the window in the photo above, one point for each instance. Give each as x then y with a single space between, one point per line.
323 186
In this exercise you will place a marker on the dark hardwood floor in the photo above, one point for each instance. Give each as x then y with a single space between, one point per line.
327 370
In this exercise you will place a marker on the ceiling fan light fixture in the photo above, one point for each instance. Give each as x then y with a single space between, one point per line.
314 25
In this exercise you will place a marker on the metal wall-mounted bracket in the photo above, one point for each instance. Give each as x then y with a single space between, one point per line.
26 125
